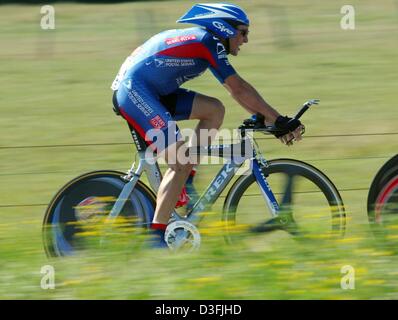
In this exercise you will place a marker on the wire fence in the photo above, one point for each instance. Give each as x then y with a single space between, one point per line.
42 173
205 164
130 143
221 197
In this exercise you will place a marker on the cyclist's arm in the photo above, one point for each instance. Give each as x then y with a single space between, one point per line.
249 98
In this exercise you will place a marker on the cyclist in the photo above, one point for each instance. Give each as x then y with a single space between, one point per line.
148 94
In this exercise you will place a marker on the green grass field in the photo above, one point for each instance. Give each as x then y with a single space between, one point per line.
55 91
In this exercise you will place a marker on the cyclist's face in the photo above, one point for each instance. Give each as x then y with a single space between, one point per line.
241 37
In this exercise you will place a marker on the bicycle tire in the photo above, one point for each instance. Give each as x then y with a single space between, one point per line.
301 169
59 223
383 193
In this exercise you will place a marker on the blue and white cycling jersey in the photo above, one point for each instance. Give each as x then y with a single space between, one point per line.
148 82
172 57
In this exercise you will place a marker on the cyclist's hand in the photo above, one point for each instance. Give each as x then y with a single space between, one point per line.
292 136
291 129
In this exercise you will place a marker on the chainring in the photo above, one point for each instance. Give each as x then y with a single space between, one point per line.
182 235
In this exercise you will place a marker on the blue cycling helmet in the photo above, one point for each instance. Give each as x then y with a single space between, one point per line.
220 18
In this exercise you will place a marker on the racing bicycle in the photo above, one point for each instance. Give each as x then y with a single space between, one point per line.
278 194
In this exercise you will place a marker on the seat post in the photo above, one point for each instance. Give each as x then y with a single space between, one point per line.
138 140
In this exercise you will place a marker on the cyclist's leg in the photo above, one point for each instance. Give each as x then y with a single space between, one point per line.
141 108
144 110
210 120
172 183
149 117
185 104
210 113
188 105
179 104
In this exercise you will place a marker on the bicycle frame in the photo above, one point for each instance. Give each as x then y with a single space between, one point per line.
216 186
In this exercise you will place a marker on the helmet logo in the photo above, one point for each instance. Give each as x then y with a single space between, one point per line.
222 28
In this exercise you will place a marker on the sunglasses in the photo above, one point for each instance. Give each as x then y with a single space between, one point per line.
244 32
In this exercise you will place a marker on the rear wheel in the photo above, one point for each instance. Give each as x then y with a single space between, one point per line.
76 214
312 199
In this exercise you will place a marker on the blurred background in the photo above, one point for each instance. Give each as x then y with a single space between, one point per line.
57 122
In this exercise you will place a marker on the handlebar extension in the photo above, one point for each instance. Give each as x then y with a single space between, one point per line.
256 122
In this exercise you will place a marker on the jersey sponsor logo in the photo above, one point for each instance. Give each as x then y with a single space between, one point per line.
222 28
159 63
139 102
157 122
170 41
172 62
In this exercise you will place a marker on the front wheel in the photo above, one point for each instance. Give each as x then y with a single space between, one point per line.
314 202
79 209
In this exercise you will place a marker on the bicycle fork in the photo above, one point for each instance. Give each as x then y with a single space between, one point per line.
265 188
282 217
